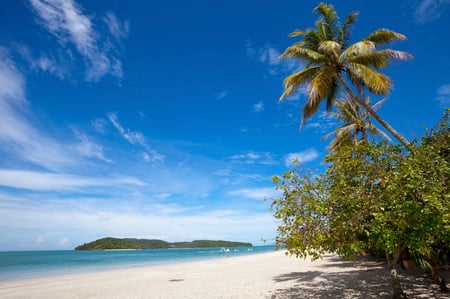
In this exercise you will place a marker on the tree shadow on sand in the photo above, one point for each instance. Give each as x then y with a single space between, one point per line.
362 278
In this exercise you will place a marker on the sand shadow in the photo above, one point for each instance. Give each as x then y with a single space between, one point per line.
361 278
347 284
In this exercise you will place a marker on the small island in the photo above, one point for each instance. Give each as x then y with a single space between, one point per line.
132 243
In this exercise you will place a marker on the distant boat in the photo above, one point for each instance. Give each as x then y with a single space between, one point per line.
225 249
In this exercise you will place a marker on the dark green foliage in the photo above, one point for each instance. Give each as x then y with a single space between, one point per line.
373 197
130 243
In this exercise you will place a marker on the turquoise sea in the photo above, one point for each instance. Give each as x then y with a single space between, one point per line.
17 265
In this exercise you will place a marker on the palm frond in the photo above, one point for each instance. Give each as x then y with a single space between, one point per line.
377 132
378 104
309 108
296 33
347 130
328 20
384 36
376 82
344 130
380 59
344 32
297 80
330 47
348 111
320 86
360 48
312 39
302 54
317 90
395 55
376 60
334 89
328 136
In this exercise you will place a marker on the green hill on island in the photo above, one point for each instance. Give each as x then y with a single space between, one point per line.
131 243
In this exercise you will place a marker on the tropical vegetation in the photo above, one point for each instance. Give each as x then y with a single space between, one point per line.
356 125
374 197
131 243
333 64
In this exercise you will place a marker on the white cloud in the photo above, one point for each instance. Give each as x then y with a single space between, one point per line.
444 95
74 223
18 136
322 122
130 136
89 149
119 30
252 157
301 157
255 193
66 21
221 95
46 63
258 107
229 177
99 125
11 81
269 56
427 11
47 181
137 138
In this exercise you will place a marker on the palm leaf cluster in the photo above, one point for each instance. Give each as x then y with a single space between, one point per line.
356 125
331 63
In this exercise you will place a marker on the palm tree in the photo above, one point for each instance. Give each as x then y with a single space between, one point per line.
332 64
356 124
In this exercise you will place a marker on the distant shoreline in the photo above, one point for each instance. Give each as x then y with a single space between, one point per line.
133 243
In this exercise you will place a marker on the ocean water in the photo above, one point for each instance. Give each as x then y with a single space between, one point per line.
17 265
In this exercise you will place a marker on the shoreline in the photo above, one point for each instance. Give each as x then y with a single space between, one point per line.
69 263
263 275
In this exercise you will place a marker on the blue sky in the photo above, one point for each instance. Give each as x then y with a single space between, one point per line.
161 120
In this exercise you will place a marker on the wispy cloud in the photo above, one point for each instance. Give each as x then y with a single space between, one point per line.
136 138
322 123
99 124
11 81
258 107
426 11
269 56
66 21
301 157
227 177
88 148
130 136
47 63
47 181
255 193
221 95
88 220
118 29
444 95
252 157
19 136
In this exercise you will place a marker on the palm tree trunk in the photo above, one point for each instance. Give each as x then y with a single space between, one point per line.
372 112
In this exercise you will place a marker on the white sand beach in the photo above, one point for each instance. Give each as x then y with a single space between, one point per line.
265 275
